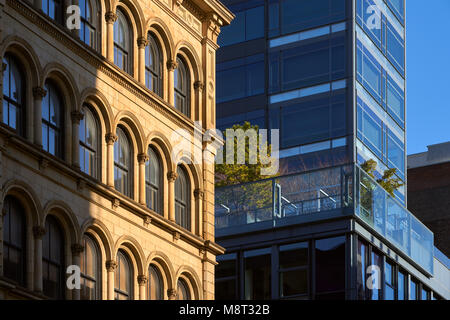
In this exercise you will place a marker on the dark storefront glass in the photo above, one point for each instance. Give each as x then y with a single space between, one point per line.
257 277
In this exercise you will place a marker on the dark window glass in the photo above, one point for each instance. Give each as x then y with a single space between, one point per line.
257 275
247 25
14 240
395 48
153 182
182 199
54 9
122 40
225 281
362 268
90 271
52 121
425 294
153 65
122 163
123 284
389 281
183 292
413 288
155 290
395 101
182 84
375 274
87 24
53 265
286 16
398 6
88 142
401 286
240 78
13 95
330 265
319 118
293 263
369 72
396 153
370 129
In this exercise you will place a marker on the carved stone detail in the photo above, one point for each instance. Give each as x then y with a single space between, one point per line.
172 176
172 65
171 293
115 203
198 85
76 116
198 194
77 249
110 17
111 265
142 42
39 93
142 158
111 138
147 221
176 236
142 280
38 232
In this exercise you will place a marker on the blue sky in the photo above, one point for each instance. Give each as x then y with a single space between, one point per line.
428 73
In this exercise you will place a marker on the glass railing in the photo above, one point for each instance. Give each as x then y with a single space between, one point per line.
277 201
390 219
284 197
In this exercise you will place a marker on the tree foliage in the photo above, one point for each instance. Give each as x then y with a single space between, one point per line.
388 181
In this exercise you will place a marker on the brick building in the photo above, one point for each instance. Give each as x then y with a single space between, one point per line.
429 191
88 175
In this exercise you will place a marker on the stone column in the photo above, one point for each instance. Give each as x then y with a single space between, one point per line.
38 93
198 195
77 116
110 18
171 66
172 294
77 250
171 177
142 159
198 88
38 233
111 266
111 138
142 281
142 42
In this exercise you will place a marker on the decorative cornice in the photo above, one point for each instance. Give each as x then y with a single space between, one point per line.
115 203
111 138
172 65
194 9
111 265
110 17
76 116
38 232
39 93
172 176
77 249
142 158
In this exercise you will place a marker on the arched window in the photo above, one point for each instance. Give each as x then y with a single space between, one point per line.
153 65
182 84
155 284
122 42
153 183
52 121
53 269
13 95
183 292
87 22
124 278
182 200
122 163
54 9
90 271
14 241
88 142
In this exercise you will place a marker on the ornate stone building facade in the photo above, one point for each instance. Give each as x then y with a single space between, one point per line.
89 175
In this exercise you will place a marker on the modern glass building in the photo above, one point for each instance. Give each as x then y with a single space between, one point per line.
330 75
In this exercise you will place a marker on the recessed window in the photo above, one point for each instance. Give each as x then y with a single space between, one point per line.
153 181
293 260
182 199
88 142
155 284
122 163
53 265
52 120
153 65
90 271
122 42
182 84
14 240
124 277
87 19
183 292
13 95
